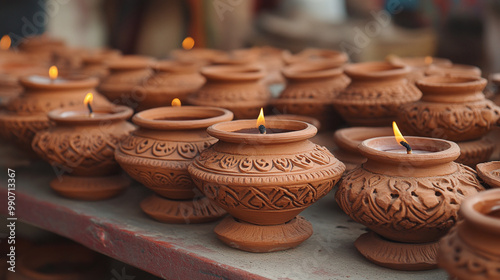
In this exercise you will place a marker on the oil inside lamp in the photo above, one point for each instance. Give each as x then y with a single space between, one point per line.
400 139
176 102
88 102
188 43
53 73
5 42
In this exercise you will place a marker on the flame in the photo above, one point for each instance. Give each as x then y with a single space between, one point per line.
188 43
88 99
53 72
5 42
176 102
428 60
261 120
399 138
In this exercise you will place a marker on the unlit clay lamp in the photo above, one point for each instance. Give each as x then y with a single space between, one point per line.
408 201
310 91
453 70
27 114
418 64
171 79
11 72
236 88
316 55
94 62
80 145
376 91
127 74
264 181
453 108
158 154
489 172
348 139
471 251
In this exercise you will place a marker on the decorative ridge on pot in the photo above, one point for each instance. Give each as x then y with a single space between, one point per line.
233 72
157 118
227 131
376 70
349 138
452 85
76 82
312 71
105 114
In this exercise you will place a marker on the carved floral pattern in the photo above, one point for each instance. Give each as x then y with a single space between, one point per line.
21 132
216 95
315 90
405 203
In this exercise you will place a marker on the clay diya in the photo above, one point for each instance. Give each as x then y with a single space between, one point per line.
236 88
453 70
301 118
407 200
27 114
206 56
80 145
316 55
347 141
10 72
126 76
94 62
418 64
471 249
272 60
158 154
310 91
376 92
453 108
489 172
264 181
171 79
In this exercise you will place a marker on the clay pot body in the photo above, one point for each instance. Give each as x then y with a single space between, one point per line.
94 62
471 251
418 65
453 70
348 140
310 91
126 75
206 56
236 88
84 147
171 79
10 72
376 91
495 81
264 181
490 173
158 154
27 114
410 200
313 55
452 108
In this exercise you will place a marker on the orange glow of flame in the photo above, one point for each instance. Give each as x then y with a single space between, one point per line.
188 43
261 120
5 42
399 137
53 72
176 102
428 60
88 99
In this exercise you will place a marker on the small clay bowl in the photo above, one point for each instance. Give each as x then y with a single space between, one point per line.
490 173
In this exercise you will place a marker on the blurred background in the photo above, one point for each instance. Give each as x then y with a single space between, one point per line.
465 31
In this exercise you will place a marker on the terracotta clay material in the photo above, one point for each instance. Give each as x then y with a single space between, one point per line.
376 91
158 154
495 81
310 91
171 79
10 72
333 57
490 173
348 140
236 88
272 61
82 148
27 114
409 201
264 181
127 74
94 62
291 117
206 56
418 64
471 251
453 70
476 151
452 108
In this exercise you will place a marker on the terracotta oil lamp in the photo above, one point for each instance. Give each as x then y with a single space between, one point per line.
206 56
472 248
453 108
376 92
418 64
291 117
237 57
271 59
10 72
264 175
171 79
316 55
236 88
310 90
408 194
27 113
41 47
127 75
158 154
81 144
348 139
453 70
94 62
489 172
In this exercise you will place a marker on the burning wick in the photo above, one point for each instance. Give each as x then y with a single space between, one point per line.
176 102
400 139
87 101
262 129
188 43
53 73
261 122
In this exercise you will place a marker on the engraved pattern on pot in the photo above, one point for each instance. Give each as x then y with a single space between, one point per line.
402 203
215 94
20 130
